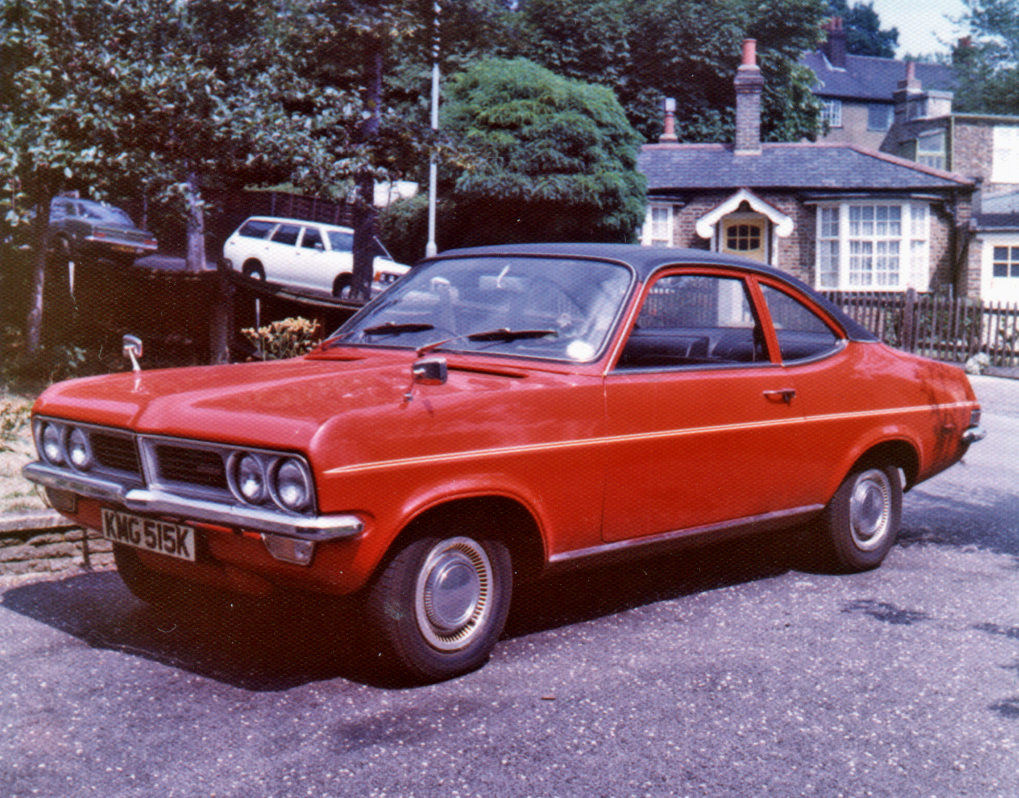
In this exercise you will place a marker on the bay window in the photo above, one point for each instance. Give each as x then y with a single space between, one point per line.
873 246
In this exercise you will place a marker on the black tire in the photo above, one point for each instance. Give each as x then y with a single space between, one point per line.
253 269
150 586
341 285
862 519
440 605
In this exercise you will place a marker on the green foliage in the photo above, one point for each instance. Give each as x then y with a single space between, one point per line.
864 35
290 337
550 158
988 67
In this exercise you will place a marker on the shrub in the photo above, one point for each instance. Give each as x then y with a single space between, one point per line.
287 338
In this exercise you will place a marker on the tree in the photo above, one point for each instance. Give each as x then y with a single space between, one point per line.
163 95
988 62
551 159
864 35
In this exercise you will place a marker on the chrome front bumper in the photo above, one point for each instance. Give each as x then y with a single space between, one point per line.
139 499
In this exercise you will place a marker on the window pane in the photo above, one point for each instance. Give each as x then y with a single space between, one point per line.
694 320
287 234
801 332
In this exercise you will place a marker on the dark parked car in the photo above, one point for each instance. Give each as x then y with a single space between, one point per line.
84 229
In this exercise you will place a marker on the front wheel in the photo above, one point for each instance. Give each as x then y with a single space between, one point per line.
440 605
862 519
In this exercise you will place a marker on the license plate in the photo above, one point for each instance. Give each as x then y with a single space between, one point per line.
175 540
123 248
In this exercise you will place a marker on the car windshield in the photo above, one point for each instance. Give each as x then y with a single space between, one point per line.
553 308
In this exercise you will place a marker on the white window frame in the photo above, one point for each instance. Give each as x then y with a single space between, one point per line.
873 246
1005 165
831 112
658 232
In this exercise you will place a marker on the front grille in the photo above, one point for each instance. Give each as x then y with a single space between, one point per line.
194 466
116 452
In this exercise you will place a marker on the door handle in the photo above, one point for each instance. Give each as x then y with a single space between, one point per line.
782 394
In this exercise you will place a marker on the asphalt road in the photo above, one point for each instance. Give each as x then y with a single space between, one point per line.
738 670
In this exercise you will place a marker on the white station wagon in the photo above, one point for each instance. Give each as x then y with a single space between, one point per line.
303 254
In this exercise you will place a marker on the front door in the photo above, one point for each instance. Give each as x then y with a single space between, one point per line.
745 234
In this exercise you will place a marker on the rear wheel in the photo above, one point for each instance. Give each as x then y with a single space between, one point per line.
863 517
440 604
341 285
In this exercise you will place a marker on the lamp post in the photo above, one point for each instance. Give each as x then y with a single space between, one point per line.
433 168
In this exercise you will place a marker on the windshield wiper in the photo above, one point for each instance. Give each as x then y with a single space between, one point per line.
392 328
503 334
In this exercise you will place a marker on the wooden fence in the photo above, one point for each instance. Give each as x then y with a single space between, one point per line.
938 326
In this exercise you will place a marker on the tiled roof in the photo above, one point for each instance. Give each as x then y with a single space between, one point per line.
807 166
868 78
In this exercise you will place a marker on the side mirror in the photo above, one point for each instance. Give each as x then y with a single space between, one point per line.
430 371
133 350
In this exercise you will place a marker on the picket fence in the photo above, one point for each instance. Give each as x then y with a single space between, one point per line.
941 327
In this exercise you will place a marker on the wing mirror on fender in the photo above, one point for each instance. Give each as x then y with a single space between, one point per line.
427 371
133 350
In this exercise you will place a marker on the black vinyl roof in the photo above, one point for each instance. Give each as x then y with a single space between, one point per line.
645 261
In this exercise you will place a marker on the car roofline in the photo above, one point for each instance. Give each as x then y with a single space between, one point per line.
647 261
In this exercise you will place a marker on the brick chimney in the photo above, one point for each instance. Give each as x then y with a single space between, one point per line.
749 83
835 46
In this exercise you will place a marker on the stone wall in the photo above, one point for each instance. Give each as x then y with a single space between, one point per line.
39 544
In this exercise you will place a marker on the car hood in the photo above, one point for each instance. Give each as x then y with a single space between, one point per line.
301 404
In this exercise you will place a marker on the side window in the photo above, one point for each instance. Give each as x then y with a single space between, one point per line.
256 228
312 238
695 320
801 333
286 234
340 241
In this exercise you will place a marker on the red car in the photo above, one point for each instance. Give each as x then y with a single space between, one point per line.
502 413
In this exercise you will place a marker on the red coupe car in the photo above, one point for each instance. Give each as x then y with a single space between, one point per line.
501 413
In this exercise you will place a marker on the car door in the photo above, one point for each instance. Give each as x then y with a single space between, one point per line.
310 268
280 252
704 428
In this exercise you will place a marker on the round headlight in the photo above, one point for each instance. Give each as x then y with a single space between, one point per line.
49 441
250 479
293 487
79 450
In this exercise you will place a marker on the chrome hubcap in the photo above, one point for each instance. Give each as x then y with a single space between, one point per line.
453 593
870 509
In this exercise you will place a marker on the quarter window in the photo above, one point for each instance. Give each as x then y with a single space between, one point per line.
801 333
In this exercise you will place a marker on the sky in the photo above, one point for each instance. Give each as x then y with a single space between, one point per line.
920 22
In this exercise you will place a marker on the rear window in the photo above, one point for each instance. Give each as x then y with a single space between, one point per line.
255 228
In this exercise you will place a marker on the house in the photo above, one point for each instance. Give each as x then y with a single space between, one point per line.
858 91
837 215
984 148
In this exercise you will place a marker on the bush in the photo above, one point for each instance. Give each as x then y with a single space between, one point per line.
284 339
